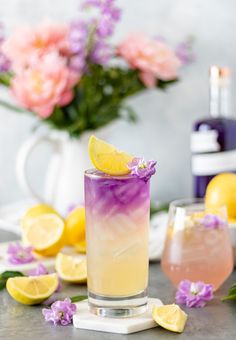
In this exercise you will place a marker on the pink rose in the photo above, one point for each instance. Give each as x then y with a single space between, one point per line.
45 83
153 58
27 42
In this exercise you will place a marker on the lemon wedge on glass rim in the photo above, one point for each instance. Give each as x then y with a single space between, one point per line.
170 317
106 158
71 268
32 290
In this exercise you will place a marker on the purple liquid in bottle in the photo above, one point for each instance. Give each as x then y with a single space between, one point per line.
213 140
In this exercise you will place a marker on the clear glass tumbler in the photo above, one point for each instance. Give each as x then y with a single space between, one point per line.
197 246
117 229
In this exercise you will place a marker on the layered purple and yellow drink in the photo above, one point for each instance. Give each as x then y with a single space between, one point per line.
117 229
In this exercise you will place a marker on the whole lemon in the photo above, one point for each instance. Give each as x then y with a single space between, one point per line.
75 226
222 190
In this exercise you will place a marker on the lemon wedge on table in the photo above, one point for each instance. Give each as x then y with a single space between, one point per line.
170 317
106 158
71 268
32 290
75 226
46 234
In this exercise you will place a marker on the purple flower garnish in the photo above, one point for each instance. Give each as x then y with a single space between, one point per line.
211 221
19 254
39 270
194 294
141 168
60 313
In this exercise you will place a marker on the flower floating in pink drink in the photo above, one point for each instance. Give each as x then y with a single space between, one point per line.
46 83
27 42
194 294
141 168
19 254
60 313
211 221
152 57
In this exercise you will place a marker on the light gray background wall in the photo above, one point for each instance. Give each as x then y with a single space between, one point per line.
165 119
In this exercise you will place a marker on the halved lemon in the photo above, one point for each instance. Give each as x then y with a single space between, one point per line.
170 317
75 226
46 234
35 211
71 268
80 247
32 290
106 158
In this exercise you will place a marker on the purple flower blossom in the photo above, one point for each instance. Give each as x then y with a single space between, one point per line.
101 52
141 168
60 313
194 294
88 38
19 254
211 221
184 52
78 40
39 270
4 62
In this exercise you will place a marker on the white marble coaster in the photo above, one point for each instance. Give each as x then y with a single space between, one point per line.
83 319
48 262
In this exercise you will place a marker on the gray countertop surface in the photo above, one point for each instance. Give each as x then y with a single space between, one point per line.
216 321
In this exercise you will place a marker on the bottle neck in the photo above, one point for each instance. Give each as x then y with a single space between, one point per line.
219 93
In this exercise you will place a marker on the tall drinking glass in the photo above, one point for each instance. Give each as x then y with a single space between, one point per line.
197 246
117 225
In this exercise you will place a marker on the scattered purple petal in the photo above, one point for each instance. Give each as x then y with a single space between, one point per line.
19 254
194 294
141 168
60 313
39 270
211 221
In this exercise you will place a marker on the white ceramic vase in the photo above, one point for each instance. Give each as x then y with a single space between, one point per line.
64 180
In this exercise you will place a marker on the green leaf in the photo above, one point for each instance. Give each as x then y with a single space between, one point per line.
163 84
156 208
5 79
9 273
12 107
6 275
2 284
231 294
78 298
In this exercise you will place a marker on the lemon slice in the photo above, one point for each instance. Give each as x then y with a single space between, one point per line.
46 234
170 317
106 158
71 268
80 247
35 211
75 226
32 290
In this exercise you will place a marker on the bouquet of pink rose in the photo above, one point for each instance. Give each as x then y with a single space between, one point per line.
72 78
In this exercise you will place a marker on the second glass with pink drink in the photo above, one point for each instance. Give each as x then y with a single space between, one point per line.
198 246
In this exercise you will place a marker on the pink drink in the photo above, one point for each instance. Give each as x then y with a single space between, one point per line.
196 252
117 224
